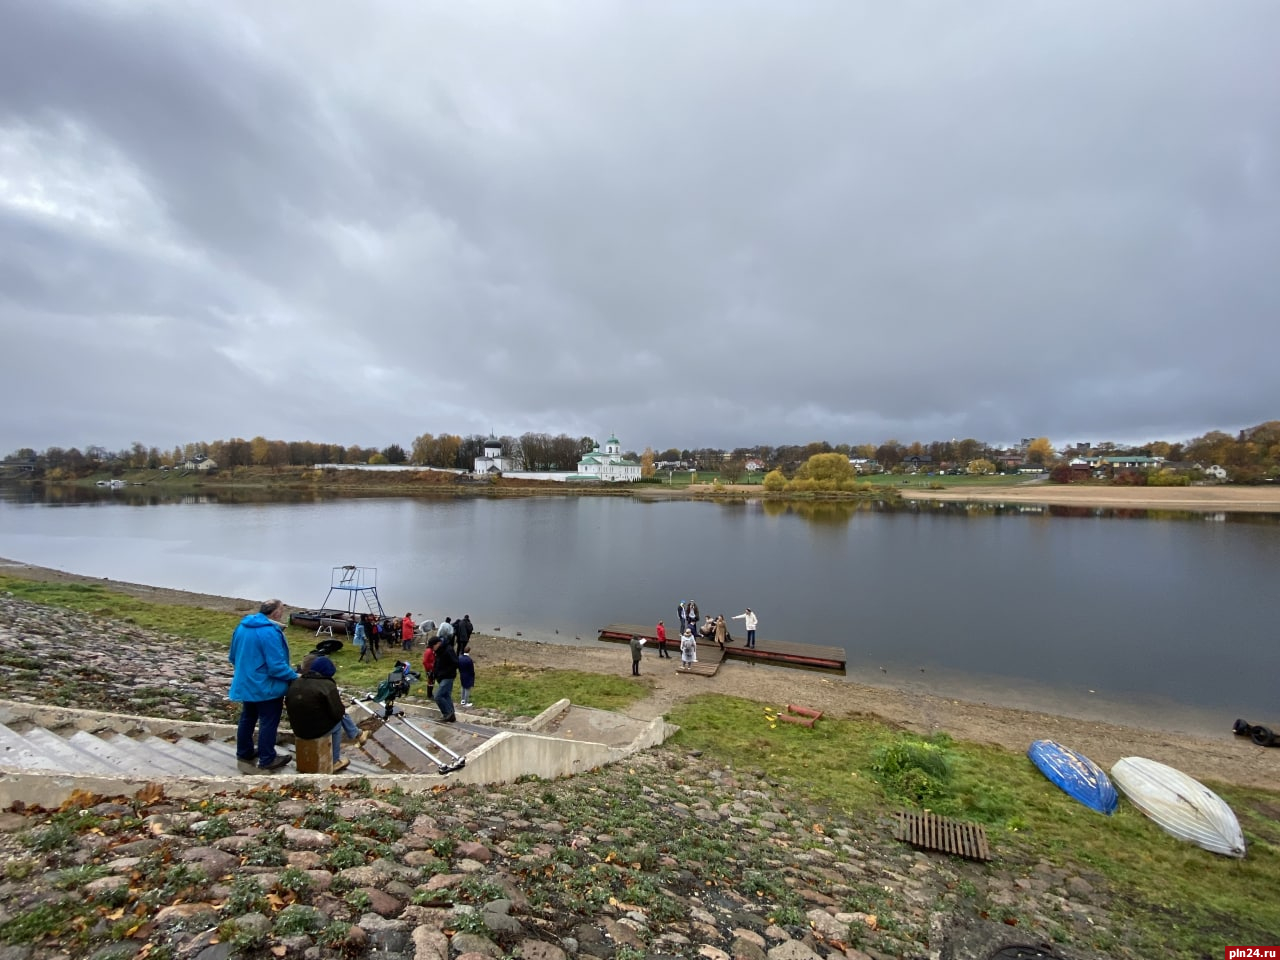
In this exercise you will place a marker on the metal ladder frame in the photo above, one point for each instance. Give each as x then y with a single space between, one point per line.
444 767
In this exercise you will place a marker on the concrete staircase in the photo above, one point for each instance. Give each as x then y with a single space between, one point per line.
48 753
65 749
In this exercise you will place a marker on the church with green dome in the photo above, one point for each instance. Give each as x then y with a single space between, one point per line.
608 465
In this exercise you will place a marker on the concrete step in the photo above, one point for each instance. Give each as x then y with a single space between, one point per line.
17 751
173 756
212 763
116 752
147 758
71 757
37 749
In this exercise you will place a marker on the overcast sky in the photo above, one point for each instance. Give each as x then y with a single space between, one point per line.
687 223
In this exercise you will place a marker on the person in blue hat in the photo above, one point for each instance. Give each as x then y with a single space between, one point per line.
315 708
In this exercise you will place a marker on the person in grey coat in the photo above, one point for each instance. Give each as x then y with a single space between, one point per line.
636 646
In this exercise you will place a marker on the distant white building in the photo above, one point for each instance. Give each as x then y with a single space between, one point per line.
608 465
1215 472
493 461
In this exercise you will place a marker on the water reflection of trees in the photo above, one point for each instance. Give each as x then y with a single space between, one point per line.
71 495
825 512
818 511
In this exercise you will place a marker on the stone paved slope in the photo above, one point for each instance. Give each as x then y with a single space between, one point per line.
667 855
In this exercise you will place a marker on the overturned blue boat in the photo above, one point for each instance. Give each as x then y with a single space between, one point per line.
1076 775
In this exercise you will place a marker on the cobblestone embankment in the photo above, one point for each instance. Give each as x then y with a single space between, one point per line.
669 855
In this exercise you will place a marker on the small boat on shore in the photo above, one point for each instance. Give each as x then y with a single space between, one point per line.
1180 805
357 587
339 621
1075 775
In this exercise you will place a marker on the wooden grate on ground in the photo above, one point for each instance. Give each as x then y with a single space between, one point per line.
703 668
931 832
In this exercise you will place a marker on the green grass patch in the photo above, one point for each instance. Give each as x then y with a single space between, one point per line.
916 771
515 690
1181 901
102 601
62 919
945 481
526 691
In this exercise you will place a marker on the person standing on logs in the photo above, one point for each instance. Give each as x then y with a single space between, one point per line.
688 650
749 621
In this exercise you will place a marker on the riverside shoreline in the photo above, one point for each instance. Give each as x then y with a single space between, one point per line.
1207 498
1260 499
1203 754
1204 499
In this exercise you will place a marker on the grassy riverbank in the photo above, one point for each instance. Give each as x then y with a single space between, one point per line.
305 482
1162 897
374 482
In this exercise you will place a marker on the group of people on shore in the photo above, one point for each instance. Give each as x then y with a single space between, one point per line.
370 633
267 685
446 659
713 628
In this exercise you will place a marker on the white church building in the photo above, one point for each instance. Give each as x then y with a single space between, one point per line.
493 461
608 465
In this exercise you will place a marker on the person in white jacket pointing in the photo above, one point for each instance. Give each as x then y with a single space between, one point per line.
749 621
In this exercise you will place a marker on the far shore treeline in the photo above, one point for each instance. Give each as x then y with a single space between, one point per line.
1250 456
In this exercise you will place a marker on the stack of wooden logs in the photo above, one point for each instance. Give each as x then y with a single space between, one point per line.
804 716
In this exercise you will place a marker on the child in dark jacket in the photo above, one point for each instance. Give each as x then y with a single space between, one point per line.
315 708
429 665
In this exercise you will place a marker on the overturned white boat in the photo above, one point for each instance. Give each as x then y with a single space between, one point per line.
1181 805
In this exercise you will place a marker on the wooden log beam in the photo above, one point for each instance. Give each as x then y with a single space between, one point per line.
314 756
804 711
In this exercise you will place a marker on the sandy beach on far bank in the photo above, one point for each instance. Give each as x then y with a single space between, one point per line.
1222 757
1208 499
1264 498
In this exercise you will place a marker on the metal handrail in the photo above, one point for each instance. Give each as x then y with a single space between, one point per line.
444 768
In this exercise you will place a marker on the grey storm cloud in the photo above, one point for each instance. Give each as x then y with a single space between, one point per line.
686 223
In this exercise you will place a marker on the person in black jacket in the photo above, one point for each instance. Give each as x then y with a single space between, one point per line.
315 709
445 672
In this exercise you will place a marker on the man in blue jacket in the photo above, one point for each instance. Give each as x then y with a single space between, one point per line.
261 677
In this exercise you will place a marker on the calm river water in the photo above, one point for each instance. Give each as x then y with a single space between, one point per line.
1170 620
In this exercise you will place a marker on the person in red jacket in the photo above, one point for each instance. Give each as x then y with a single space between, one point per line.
661 632
429 665
408 630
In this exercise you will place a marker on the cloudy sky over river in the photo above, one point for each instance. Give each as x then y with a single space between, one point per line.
688 223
